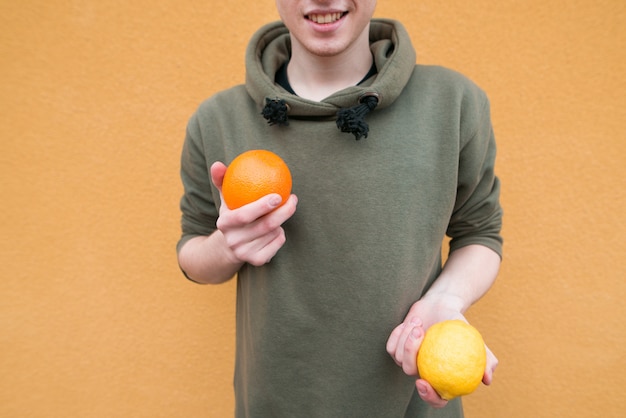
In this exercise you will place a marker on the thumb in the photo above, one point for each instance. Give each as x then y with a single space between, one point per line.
218 169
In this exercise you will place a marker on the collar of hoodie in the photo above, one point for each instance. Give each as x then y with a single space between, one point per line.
269 49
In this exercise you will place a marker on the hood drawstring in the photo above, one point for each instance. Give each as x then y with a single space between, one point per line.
275 111
349 120
352 119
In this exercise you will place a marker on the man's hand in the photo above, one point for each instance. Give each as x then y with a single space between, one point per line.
250 234
405 340
253 233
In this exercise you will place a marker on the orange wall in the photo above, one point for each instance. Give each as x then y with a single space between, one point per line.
95 319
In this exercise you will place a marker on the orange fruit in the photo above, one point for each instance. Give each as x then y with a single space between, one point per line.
254 174
452 358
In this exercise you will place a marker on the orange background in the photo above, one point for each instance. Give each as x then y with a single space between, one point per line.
97 321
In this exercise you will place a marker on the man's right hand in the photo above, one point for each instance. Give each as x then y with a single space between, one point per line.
250 234
253 233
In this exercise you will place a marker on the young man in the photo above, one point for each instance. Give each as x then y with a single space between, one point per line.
337 286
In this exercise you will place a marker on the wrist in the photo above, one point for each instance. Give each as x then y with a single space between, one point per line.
445 302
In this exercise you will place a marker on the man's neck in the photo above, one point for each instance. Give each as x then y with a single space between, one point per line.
315 78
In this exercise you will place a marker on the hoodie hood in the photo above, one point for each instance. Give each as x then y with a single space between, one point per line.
270 48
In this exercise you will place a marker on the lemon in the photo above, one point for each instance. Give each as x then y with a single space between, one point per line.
452 358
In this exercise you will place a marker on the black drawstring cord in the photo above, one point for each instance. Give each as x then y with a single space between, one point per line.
352 119
275 111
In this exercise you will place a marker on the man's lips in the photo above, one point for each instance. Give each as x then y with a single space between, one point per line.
322 18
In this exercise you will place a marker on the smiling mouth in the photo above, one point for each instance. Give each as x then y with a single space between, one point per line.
327 17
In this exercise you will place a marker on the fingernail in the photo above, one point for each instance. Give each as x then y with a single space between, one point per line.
275 201
421 389
416 322
416 333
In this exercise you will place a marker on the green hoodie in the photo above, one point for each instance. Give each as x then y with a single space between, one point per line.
365 241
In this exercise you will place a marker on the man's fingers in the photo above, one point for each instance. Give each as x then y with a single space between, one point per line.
411 346
429 395
492 363
392 341
218 169
403 344
264 249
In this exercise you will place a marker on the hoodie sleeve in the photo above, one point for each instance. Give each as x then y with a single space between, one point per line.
477 215
199 211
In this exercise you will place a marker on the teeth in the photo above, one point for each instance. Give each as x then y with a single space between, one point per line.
326 18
